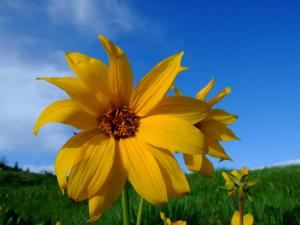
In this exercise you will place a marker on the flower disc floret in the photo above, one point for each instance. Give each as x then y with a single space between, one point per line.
119 122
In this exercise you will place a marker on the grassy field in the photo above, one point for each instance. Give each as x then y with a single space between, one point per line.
276 200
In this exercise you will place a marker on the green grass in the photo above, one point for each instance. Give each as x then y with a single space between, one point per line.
276 200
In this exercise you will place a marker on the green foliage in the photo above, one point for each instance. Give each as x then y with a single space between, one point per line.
276 201
10 217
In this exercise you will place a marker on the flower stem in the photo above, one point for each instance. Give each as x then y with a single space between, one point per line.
125 206
140 212
241 208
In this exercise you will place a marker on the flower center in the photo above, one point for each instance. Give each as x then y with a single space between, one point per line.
119 122
198 125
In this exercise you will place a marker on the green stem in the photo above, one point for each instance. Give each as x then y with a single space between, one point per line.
241 208
125 206
140 212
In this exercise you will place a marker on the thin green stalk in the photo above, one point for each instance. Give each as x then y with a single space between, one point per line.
125 206
140 212
241 208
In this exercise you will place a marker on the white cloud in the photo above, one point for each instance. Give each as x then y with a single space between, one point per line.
104 16
39 169
294 162
22 98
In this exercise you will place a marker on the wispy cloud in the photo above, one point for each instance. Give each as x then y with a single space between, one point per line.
37 51
38 169
104 16
22 98
294 162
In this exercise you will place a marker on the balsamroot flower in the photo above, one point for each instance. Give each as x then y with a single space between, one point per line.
125 133
214 129
167 221
247 219
238 185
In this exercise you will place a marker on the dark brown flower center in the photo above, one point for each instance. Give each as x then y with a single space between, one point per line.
198 125
119 122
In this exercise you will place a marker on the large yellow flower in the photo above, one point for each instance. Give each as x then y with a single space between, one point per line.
214 128
124 132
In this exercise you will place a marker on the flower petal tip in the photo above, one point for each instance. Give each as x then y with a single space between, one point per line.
69 56
42 78
227 90
35 132
93 219
103 40
101 37
183 68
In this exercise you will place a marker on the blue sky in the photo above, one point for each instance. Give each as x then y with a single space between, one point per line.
253 47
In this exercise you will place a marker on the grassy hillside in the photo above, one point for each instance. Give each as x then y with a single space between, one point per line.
276 202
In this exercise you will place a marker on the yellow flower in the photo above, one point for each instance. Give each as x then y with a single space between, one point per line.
58 223
167 221
213 125
124 132
238 182
248 219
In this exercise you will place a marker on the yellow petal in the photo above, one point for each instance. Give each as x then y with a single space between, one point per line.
235 173
199 163
235 220
119 72
143 172
168 221
221 116
179 222
176 183
92 72
216 150
177 91
226 176
88 175
231 193
154 86
70 154
162 216
217 131
79 93
244 171
171 133
204 91
219 96
248 219
66 112
110 190
186 108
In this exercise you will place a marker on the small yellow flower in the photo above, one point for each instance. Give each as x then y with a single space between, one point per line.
213 125
58 223
248 219
236 182
125 133
167 221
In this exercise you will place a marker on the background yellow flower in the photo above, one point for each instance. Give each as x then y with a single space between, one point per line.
214 129
248 219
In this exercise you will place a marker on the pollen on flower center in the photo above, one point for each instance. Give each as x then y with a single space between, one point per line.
119 122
